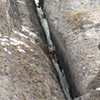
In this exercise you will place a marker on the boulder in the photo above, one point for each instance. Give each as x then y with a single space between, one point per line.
75 30
26 72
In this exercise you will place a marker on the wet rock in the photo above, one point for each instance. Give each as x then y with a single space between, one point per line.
76 33
26 73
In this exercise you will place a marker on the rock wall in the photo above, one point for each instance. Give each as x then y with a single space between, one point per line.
94 95
26 73
75 30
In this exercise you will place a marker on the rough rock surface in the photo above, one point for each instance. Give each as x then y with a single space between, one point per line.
94 95
25 71
75 28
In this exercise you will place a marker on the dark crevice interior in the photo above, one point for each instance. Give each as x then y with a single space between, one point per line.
63 64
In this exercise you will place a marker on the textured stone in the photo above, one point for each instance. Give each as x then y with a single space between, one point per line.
94 95
25 71
75 28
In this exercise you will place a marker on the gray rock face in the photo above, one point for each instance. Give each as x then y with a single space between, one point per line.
94 95
25 71
75 28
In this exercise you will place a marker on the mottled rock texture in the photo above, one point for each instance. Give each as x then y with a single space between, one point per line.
25 71
94 95
75 28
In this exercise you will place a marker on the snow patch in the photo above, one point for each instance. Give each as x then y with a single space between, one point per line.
25 29
37 2
98 89
21 50
4 39
20 34
31 49
5 49
40 12
20 1
45 26
16 42
9 52
32 41
6 36
0 35
32 34
4 43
